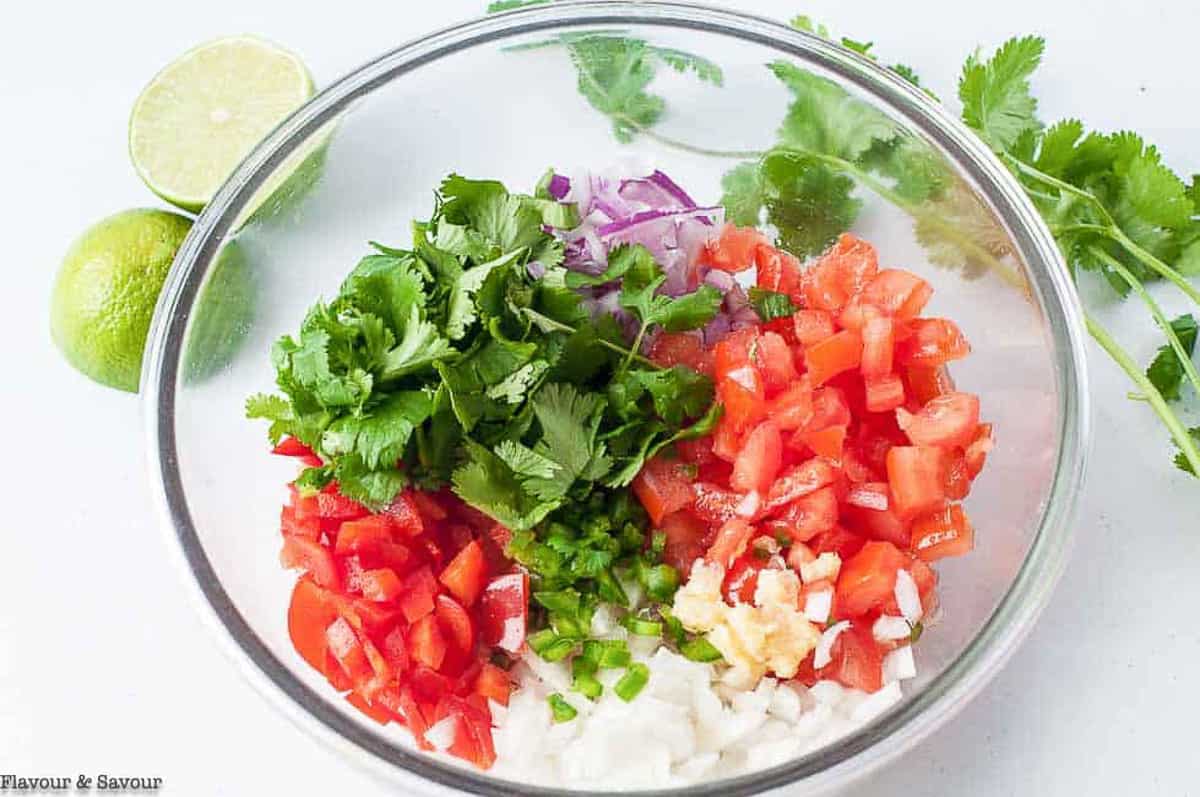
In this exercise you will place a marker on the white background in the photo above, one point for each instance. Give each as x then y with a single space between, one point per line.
104 666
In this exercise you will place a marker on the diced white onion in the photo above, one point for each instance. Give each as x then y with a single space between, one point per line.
748 506
824 652
907 597
818 605
889 628
877 703
441 734
899 665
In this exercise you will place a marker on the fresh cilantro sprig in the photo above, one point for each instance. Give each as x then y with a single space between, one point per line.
1114 207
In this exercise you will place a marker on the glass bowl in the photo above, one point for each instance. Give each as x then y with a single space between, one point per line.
360 160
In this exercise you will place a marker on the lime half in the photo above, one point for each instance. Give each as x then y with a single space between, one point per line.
202 114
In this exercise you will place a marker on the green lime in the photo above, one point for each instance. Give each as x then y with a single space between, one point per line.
106 289
203 113
222 316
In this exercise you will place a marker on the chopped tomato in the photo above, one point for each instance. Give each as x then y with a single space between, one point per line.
686 538
417 593
290 526
681 348
310 613
291 447
466 574
730 542
663 487
880 524
792 408
826 359
916 478
868 578
944 532
503 608
773 359
727 440
856 261
884 393
978 449
456 625
758 462
426 642
714 505
901 294
812 326
827 442
857 659
428 506
376 619
878 344
347 651
405 515
948 420
312 557
926 383
381 585
362 535
742 579
743 395
799 554
811 514
956 479
493 683
735 250
777 271
733 351
799 481
696 451
377 713
934 341
829 409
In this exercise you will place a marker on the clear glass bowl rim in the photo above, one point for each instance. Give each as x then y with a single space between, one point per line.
861 752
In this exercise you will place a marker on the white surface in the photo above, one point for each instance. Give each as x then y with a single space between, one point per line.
104 667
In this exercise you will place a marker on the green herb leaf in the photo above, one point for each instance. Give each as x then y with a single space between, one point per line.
1166 372
771 305
995 93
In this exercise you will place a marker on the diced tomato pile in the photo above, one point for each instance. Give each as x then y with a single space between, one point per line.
402 610
842 432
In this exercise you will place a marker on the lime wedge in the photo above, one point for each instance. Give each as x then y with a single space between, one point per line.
203 113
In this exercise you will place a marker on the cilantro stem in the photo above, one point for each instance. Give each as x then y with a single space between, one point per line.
1155 265
1151 393
633 351
1061 185
1185 359
630 354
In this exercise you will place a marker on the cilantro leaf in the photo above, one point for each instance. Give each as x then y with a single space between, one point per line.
614 73
770 304
1181 461
1166 372
372 488
275 409
995 94
643 277
823 117
379 436
743 195
808 202
487 483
